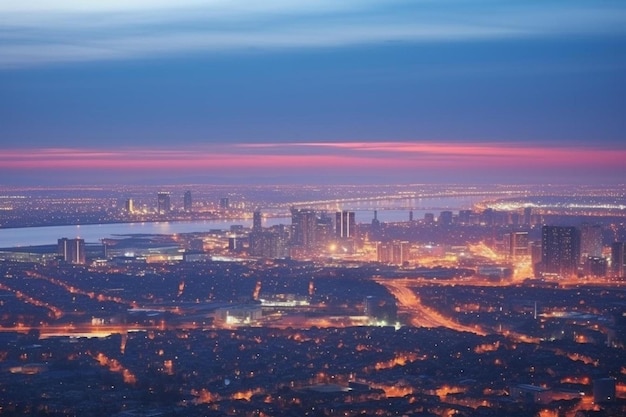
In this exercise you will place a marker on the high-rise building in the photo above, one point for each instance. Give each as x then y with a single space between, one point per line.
618 259
560 250
487 217
518 244
187 202
375 221
445 218
270 243
63 248
324 229
256 244
590 241
375 229
400 254
535 256
595 266
465 216
163 202
72 250
395 252
224 203
345 224
236 244
528 211
303 223
257 221
129 206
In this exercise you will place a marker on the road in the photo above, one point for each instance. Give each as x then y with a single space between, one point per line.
420 315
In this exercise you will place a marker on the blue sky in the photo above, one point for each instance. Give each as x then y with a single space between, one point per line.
214 75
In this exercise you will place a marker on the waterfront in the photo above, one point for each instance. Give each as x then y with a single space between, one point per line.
392 210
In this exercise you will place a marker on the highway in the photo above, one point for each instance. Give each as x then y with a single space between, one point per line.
420 315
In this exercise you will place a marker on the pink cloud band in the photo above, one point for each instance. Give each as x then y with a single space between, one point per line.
339 155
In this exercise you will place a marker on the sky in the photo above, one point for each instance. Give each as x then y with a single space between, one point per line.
312 91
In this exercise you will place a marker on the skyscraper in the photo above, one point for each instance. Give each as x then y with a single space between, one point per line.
445 218
163 202
259 241
187 202
528 211
590 241
618 259
129 206
518 244
63 248
394 252
271 243
224 203
257 221
560 250
487 217
465 216
595 266
324 229
303 223
345 224
375 221
72 250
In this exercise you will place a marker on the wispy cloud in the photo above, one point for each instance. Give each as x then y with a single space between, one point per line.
223 6
359 156
474 153
34 32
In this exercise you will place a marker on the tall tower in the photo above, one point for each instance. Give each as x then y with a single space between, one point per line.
77 251
528 211
63 248
303 222
375 221
618 259
257 221
445 218
518 244
187 202
72 250
465 216
345 224
163 202
560 250
129 206
590 241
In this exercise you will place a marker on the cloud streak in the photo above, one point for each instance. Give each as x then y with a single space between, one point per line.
34 33
360 156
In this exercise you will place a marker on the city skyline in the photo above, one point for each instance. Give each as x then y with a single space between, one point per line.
313 208
258 300
362 92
